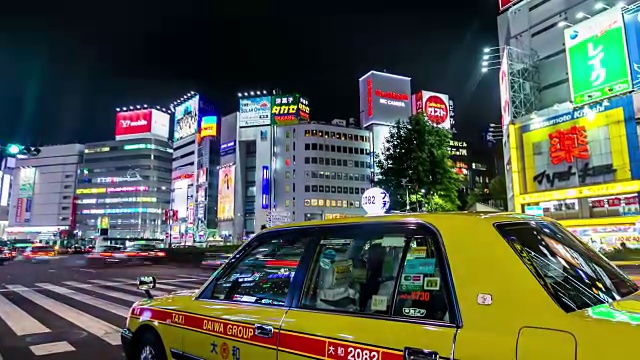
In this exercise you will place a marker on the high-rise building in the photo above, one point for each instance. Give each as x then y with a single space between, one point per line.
128 183
195 145
321 171
567 70
42 193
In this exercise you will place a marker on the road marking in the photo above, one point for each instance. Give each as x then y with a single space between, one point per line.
99 303
18 320
124 287
51 348
99 290
116 283
99 328
158 285
87 270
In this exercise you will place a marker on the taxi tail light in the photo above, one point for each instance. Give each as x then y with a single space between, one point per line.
161 253
51 254
130 253
105 254
143 254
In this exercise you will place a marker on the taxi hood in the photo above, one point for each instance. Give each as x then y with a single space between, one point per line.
625 310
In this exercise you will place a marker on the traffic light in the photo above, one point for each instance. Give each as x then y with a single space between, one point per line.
13 150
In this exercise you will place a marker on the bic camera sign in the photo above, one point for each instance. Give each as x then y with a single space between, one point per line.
597 58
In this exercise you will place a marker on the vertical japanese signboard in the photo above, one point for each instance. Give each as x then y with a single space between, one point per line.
25 195
597 58
289 109
632 33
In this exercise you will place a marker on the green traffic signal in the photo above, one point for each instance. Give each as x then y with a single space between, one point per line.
14 149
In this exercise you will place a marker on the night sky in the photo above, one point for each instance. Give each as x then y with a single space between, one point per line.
64 70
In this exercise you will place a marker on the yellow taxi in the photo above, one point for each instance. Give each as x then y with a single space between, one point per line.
412 286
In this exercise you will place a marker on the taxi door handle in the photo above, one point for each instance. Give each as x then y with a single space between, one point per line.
420 354
264 330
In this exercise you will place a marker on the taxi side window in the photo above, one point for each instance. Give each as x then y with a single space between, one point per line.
355 270
264 274
421 292
379 270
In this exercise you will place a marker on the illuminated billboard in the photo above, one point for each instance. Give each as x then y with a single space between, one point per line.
435 107
632 30
226 192
289 109
137 122
186 119
25 194
592 75
578 148
255 111
209 126
504 4
384 98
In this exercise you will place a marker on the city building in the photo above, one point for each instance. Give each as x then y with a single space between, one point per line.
6 181
570 132
42 194
128 182
321 170
195 151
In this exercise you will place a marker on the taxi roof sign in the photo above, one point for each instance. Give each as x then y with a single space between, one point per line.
375 201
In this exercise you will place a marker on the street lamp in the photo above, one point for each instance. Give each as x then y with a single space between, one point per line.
564 23
581 15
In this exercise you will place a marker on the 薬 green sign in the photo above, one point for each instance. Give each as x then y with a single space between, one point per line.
597 58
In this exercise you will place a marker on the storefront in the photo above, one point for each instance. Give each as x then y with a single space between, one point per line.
582 168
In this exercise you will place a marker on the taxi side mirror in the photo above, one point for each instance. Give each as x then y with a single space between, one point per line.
147 283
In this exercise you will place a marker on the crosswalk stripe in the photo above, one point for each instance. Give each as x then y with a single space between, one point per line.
124 287
99 303
18 320
98 327
51 348
99 290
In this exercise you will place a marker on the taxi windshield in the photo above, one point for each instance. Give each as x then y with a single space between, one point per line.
573 274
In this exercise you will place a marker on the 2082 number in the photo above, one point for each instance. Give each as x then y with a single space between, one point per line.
361 354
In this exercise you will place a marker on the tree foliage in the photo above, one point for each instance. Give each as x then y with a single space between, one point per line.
415 159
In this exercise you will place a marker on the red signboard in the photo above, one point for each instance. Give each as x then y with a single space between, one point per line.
369 98
133 122
392 95
567 145
503 4
436 110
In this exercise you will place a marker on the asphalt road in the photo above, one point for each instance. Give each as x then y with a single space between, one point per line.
62 309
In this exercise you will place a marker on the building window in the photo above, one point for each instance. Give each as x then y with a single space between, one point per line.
287 174
307 146
321 147
333 148
314 146
294 188
67 186
307 160
68 176
314 188
340 162
65 208
307 133
320 161
307 188
314 160
287 203
314 174
286 148
287 189
321 188
287 134
66 197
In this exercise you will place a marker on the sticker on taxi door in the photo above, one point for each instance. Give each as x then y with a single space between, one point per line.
411 282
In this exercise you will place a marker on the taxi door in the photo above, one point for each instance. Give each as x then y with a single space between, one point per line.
373 291
241 309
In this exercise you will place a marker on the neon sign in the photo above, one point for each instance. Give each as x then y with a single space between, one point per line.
369 97
392 95
567 145
121 211
112 190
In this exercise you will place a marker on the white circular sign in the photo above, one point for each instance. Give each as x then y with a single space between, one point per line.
375 201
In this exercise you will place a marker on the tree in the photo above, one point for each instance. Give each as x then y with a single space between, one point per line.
495 196
415 163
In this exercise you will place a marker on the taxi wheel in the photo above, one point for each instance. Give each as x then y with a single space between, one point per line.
149 347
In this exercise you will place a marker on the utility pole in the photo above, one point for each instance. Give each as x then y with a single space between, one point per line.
406 187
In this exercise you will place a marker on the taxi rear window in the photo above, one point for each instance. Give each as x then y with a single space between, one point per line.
573 274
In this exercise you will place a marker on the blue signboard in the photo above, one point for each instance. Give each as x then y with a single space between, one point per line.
632 29
228 148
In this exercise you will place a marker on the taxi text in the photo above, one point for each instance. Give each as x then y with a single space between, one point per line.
237 331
